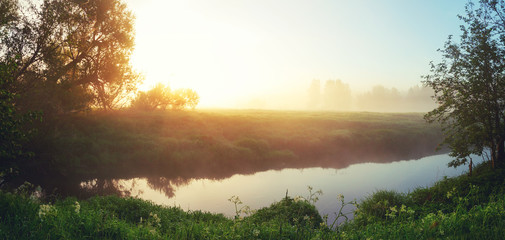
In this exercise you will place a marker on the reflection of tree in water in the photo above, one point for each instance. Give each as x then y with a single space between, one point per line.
130 186
167 185
129 181
107 187
127 188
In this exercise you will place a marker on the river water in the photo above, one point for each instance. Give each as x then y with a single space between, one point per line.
263 188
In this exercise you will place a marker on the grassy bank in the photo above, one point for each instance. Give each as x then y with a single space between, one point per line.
218 144
464 207
456 208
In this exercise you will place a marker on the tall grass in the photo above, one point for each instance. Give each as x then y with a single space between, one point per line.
476 210
218 144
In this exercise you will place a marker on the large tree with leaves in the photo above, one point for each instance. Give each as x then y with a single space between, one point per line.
469 85
72 54
13 133
107 66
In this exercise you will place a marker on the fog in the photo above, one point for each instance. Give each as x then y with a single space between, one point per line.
264 54
337 95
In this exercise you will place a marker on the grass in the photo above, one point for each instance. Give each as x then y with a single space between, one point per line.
125 144
463 207
218 144
128 218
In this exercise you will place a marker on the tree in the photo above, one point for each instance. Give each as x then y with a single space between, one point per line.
314 94
330 95
381 98
156 98
12 134
336 95
107 66
191 98
469 86
418 99
71 54
8 12
161 97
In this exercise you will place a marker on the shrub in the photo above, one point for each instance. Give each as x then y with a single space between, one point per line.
296 212
378 204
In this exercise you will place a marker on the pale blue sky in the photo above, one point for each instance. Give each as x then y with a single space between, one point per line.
232 51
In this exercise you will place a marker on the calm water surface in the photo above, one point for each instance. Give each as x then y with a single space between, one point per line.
263 188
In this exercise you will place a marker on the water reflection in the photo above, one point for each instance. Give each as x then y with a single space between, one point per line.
263 188
128 187
169 177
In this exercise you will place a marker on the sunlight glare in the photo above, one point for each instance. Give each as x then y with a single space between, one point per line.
186 51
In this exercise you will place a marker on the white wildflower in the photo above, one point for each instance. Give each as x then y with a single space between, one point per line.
340 197
156 219
77 207
45 210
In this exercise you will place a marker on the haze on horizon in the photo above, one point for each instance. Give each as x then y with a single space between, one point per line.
267 54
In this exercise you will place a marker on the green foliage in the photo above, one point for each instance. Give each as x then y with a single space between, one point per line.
73 55
469 85
379 204
127 218
440 196
341 217
296 212
475 211
10 127
462 207
480 222
13 130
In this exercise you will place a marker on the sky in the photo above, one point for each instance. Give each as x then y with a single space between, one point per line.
235 51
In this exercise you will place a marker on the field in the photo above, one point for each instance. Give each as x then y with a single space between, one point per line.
220 143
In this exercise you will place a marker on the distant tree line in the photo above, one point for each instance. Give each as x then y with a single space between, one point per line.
337 95
382 99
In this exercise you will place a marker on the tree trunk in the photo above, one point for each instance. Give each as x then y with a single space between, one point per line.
500 152
493 154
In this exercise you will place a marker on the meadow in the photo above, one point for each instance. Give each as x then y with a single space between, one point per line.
217 144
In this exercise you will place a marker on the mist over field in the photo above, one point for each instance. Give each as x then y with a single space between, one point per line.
336 95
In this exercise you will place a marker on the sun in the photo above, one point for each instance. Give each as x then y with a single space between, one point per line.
181 47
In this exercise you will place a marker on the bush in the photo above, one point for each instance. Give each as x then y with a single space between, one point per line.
161 97
379 203
296 212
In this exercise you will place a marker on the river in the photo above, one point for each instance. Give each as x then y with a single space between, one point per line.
263 188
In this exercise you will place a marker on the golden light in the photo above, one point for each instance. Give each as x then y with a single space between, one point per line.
185 49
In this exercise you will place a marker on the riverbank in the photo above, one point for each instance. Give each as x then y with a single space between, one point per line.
219 143
458 208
